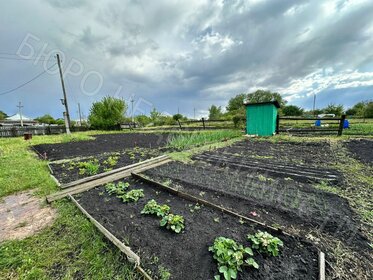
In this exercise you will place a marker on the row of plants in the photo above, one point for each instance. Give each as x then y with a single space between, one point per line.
120 189
232 256
170 221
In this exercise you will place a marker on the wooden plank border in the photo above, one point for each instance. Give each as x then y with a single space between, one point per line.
104 174
113 177
131 256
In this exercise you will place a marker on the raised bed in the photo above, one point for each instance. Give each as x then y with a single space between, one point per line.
186 255
71 170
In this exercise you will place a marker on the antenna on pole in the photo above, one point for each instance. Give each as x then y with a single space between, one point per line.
20 111
64 100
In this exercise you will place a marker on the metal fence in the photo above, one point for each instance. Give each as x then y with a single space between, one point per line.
15 131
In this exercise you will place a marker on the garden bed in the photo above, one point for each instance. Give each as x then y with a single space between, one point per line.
281 202
186 255
104 143
73 170
361 149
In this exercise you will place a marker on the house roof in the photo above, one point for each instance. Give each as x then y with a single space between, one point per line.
17 117
260 103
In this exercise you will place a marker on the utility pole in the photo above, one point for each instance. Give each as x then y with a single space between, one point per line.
64 101
133 119
20 111
314 104
80 115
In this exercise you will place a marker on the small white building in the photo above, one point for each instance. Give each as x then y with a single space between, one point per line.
18 120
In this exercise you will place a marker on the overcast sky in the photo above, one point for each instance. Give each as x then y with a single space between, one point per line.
184 54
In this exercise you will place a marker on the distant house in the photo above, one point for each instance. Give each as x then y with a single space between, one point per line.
15 120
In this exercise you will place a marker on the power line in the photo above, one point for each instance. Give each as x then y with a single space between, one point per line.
29 81
27 59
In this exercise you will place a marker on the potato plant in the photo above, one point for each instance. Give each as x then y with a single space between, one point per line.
231 257
153 208
265 242
173 222
132 196
118 189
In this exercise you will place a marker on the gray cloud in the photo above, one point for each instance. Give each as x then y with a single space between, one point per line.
195 53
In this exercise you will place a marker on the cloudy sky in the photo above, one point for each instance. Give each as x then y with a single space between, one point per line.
183 54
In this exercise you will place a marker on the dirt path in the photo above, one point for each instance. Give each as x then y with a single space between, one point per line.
22 215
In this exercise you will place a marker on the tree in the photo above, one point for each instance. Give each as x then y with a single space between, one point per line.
47 119
369 110
265 96
3 116
236 103
154 115
177 117
358 109
143 120
292 110
215 112
107 113
333 109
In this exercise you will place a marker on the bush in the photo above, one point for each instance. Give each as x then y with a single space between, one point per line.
107 113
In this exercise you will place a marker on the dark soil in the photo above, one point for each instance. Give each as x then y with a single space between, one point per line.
312 154
69 171
361 149
186 255
279 201
105 143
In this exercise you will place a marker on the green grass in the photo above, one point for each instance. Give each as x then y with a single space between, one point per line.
186 141
70 249
20 169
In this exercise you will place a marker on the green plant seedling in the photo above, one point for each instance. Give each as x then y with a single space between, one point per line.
118 189
173 222
231 257
132 196
153 208
88 167
265 242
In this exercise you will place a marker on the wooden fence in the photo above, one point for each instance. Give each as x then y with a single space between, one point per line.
304 126
15 131
205 124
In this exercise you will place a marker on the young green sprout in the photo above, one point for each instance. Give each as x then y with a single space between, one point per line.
265 242
153 208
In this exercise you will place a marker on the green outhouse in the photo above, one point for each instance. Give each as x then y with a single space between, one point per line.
261 118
